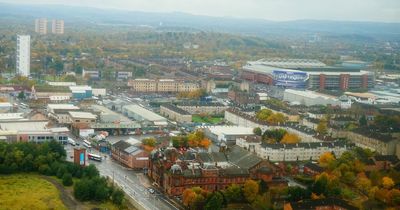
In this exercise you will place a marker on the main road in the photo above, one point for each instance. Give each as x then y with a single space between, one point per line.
134 184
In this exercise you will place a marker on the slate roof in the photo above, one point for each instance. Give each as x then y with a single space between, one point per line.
121 145
311 145
314 167
242 158
175 109
391 158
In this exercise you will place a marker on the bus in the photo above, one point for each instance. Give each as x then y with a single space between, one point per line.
94 157
87 144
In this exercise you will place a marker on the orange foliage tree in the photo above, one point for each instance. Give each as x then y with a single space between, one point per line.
198 139
290 138
387 182
149 144
326 158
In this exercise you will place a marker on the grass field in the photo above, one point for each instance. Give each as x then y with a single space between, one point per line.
207 119
26 191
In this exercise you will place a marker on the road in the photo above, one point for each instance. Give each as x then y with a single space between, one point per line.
134 184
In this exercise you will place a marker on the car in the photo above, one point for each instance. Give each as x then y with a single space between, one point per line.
151 190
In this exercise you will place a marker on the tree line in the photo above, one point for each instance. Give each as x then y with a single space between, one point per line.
49 159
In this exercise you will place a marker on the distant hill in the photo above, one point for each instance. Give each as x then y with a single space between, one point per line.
183 20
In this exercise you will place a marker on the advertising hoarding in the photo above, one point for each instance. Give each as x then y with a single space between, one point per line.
290 79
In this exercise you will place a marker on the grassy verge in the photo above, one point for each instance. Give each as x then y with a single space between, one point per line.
206 119
28 191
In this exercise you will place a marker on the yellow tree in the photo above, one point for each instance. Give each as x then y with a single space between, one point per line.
290 138
326 158
387 182
263 114
322 127
363 184
277 118
188 197
250 190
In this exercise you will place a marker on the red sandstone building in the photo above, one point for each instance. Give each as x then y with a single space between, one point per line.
130 154
174 172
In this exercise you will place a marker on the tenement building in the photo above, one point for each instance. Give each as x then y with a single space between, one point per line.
291 152
162 85
176 114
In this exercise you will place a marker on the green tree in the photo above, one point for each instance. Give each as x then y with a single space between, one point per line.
90 171
257 131
117 196
363 121
215 202
233 193
298 193
21 95
320 185
67 179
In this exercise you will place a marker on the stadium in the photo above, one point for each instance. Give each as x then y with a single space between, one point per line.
307 74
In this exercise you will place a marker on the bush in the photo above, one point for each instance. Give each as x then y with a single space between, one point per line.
67 179
117 196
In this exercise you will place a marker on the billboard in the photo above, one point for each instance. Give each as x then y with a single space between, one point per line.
290 79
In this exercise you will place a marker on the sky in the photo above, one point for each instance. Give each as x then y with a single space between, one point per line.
278 10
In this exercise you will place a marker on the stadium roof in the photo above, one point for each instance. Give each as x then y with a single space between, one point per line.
291 63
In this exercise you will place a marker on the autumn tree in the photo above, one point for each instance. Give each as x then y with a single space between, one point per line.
263 114
276 119
387 182
250 190
326 158
198 139
188 197
149 144
322 127
363 183
290 138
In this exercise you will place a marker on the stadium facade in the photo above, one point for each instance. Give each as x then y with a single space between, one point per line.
307 74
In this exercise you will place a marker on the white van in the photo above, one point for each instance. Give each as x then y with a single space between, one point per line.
71 141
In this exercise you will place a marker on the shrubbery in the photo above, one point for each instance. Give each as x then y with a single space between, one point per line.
49 159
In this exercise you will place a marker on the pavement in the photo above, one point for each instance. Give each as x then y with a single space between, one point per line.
135 184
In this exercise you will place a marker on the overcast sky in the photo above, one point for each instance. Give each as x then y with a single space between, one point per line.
358 10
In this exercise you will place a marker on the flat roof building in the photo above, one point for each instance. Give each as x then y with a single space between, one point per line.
141 114
57 26
41 26
23 59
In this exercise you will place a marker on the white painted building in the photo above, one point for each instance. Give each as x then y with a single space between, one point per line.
23 55
292 152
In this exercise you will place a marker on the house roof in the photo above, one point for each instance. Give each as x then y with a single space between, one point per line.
391 158
242 158
314 167
175 109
